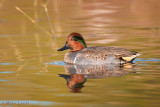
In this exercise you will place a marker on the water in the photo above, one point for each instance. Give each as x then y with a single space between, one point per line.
30 66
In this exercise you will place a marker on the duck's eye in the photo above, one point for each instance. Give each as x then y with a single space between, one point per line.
73 39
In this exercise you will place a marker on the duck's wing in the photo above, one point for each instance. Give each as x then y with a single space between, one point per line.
121 52
104 52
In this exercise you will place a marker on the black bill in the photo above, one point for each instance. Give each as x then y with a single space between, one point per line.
64 47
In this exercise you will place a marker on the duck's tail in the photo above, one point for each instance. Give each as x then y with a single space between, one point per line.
131 58
137 54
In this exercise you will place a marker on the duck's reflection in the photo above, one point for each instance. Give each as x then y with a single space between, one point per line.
99 71
79 73
74 81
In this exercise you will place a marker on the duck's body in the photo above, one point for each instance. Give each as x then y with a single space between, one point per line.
82 55
100 55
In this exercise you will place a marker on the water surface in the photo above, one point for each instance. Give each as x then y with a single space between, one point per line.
30 64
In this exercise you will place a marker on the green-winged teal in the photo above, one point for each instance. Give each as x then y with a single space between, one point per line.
81 54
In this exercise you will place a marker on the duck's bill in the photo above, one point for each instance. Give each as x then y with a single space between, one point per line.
66 77
64 48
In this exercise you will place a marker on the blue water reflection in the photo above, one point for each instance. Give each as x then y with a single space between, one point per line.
1 80
42 103
57 63
146 60
6 72
6 63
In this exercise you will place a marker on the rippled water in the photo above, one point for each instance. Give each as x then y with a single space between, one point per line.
32 72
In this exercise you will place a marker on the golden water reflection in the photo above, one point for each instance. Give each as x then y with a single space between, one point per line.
25 49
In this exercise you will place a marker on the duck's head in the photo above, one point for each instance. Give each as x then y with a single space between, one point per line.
74 42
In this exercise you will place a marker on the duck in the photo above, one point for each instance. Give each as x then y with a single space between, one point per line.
82 55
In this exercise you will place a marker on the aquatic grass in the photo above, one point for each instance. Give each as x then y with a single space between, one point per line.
33 21
48 17
50 24
51 33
